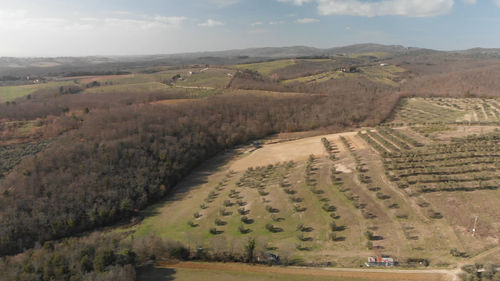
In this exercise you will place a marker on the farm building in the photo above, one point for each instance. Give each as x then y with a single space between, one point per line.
380 261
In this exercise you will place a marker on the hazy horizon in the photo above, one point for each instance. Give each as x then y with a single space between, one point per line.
52 28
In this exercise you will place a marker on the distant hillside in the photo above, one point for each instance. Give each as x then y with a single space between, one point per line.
98 64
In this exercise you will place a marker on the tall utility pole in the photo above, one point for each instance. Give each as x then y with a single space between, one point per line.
475 224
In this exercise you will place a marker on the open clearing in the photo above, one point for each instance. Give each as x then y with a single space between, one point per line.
10 93
296 150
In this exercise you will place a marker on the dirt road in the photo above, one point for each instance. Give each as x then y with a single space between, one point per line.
370 274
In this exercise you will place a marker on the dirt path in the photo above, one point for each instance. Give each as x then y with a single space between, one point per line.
295 150
484 254
194 87
472 260
486 118
371 274
474 116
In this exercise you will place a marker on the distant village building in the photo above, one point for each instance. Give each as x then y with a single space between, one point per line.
380 261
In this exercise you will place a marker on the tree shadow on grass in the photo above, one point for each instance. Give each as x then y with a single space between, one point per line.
150 273
193 181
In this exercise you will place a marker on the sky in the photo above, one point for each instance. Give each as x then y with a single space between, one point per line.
131 27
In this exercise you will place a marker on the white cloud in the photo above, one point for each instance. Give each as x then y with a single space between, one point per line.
257 23
276 22
211 23
60 33
223 3
409 8
257 31
307 20
470 2
11 21
295 2
497 2
175 21
373 8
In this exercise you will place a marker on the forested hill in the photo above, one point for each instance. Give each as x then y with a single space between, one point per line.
122 159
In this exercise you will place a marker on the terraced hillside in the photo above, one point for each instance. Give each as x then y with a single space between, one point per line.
449 110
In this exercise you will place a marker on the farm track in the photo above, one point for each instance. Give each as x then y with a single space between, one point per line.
194 87
370 274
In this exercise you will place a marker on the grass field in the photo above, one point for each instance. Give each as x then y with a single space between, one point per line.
387 75
319 209
138 88
266 68
379 55
10 93
215 78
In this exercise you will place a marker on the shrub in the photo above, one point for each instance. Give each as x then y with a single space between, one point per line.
244 230
401 215
303 238
382 196
299 208
271 209
223 212
271 228
219 222
302 247
227 203
263 193
243 211
246 220
434 215
369 235
329 208
333 236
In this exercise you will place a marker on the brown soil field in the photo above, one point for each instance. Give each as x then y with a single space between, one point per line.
364 274
172 101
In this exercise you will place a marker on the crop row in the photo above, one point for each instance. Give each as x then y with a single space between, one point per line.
389 134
